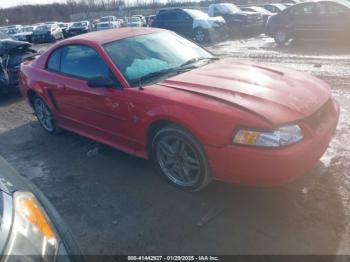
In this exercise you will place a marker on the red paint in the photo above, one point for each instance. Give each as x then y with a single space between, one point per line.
211 102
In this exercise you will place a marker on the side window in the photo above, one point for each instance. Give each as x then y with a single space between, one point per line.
53 63
181 16
170 16
82 62
161 16
166 16
302 10
216 11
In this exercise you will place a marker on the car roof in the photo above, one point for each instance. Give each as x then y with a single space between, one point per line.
106 36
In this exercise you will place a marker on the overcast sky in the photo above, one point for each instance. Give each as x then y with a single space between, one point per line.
9 3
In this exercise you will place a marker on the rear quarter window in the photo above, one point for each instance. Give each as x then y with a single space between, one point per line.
54 61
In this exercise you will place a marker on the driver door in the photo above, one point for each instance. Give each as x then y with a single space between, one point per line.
96 112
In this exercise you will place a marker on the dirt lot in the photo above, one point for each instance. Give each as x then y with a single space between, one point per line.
116 204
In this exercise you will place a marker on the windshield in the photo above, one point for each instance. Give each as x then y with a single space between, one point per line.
280 6
13 31
43 28
142 55
106 19
260 10
80 24
346 3
197 14
134 19
28 29
228 8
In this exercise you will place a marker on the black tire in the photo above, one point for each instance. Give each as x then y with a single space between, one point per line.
53 39
191 155
201 35
281 37
39 102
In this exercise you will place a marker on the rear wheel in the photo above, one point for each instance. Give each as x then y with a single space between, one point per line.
45 116
180 158
281 37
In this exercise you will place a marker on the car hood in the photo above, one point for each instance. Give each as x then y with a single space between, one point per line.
279 96
23 34
11 46
208 22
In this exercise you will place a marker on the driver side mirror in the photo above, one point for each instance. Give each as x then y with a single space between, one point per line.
100 81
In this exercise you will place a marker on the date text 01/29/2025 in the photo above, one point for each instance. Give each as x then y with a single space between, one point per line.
173 258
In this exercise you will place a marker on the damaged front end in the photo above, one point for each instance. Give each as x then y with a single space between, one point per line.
12 54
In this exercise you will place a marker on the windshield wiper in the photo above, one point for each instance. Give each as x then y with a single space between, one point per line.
152 75
195 60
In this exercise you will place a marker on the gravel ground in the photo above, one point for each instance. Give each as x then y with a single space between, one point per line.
116 204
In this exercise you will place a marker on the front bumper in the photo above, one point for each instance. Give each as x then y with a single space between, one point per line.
269 166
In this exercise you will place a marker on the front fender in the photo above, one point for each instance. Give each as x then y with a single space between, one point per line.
209 128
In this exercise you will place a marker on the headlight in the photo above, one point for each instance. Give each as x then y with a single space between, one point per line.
32 232
281 137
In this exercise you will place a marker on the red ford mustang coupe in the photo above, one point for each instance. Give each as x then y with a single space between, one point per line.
154 94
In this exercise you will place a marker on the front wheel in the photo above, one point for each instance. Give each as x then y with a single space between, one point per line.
281 37
53 39
200 35
45 116
180 158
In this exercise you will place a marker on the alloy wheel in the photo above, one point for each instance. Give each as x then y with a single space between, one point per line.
44 115
178 160
199 36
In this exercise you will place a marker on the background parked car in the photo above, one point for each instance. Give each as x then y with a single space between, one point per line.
3 29
64 27
275 8
134 21
47 33
150 19
79 28
193 24
239 22
265 13
51 23
108 22
12 54
30 225
311 20
25 34
14 30
143 19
